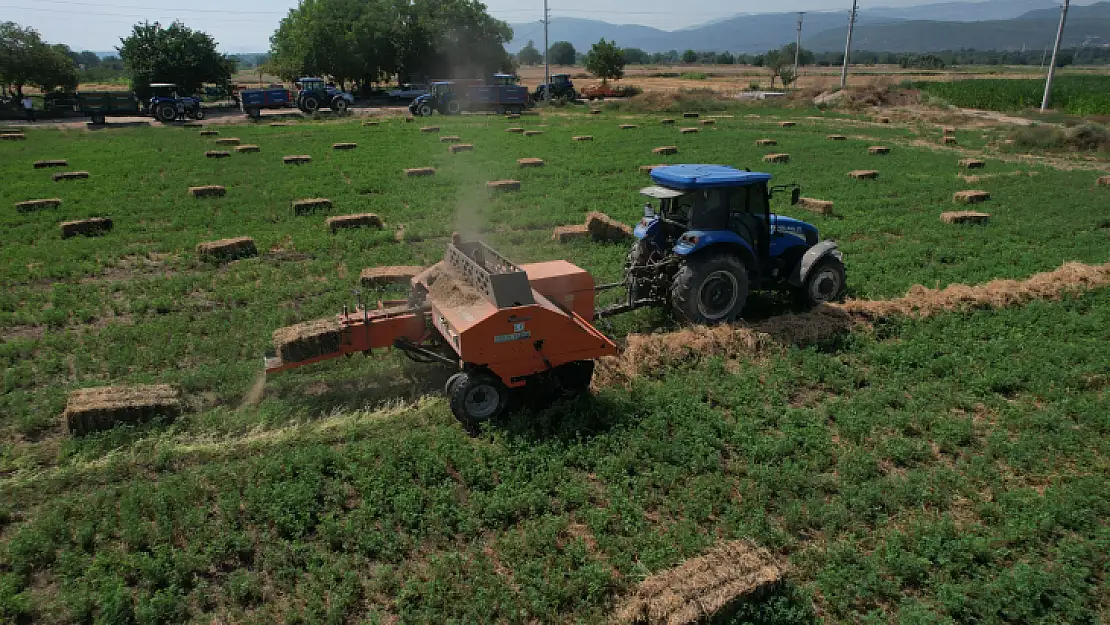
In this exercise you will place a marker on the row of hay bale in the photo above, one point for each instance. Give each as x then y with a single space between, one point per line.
78 227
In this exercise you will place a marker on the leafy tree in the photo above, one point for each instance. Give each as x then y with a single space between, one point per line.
725 58
781 64
689 57
177 54
25 59
529 55
805 58
605 60
562 53
636 56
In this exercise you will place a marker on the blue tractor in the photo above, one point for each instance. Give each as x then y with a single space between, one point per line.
167 104
713 238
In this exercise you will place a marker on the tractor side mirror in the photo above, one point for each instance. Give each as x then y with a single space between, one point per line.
795 196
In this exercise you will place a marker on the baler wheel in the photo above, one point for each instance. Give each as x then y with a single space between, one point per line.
478 397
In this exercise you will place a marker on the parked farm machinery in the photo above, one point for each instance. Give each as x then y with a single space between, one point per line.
451 97
560 88
504 327
167 104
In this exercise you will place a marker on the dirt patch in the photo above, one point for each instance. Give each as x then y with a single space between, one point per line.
96 409
448 289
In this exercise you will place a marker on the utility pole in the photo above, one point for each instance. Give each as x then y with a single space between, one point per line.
546 54
1055 52
798 48
848 46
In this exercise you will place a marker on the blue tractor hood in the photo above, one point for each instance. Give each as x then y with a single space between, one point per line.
797 227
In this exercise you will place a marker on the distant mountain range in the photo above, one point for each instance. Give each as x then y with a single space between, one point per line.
991 24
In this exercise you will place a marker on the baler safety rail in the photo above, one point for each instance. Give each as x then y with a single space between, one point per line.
502 283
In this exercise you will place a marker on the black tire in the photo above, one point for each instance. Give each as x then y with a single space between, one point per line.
310 104
424 110
166 113
339 105
449 386
454 107
711 289
575 377
198 114
97 119
477 398
825 283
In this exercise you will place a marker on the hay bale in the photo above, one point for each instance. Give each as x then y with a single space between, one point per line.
296 159
965 217
461 147
647 169
96 409
516 130
698 588
864 174
667 122
227 249
360 220
449 139
971 197
310 205
821 207
55 163
879 150
691 115
950 140
776 158
883 120
971 163
627 126
583 138
708 122
307 340
530 162
837 138
228 141
430 129
382 276
217 154
212 190
244 149
87 227
666 150
949 131
566 234
34 205
371 123
605 229
788 124
595 111
1104 181
766 142
688 131
192 125
503 185
532 133
70 175
210 133
344 146
512 116
419 172
283 124
15 136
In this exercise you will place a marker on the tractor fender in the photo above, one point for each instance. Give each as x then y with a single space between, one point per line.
812 256
718 241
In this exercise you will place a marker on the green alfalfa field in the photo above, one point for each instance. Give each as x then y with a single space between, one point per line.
949 469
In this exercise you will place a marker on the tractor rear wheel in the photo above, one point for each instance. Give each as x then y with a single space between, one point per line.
310 104
424 110
339 105
166 113
97 119
477 397
711 289
825 282
453 107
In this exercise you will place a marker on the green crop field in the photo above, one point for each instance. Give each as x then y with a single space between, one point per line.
1077 95
949 469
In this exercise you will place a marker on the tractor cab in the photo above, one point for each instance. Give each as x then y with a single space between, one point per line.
711 227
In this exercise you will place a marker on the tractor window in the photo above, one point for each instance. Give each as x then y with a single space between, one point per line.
757 200
711 211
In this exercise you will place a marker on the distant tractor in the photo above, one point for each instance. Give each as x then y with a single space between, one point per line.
315 94
713 238
560 87
167 104
451 97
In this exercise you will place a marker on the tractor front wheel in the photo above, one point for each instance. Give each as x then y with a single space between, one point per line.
339 105
711 290
477 397
424 110
310 104
166 113
97 119
825 283
198 114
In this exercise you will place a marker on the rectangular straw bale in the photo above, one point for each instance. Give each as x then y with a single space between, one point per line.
532 133
296 159
70 175
243 149
689 131
788 124
283 124
54 163
1104 181
417 172
34 205
691 115
449 139
595 111
210 133
310 205
308 340
965 217
96 409
708 122
344 146
776 158
971 163
766 142
949 131
430 129
212 190
512 116
192 125
667 122
228 141
883 120
14 136
879 150
381 276
217 154
503 185
360 220
94 225
461 147
604 228
530 162
821 207
627 126
950 140
584 138
864 174
665 149
238 247
371 123
515 130
565 234
971 197
837 138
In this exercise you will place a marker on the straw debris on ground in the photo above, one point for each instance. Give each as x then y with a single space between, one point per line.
449 289
307 340
699 587
97 409
87 227
605 229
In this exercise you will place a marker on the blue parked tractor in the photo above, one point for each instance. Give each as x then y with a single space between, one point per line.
167 104
713 239
315 94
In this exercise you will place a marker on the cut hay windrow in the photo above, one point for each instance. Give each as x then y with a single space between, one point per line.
972 163
383 276
971 197
766 142
53 163
665 150
515 130
566 234
837 138
449 139
530 162
212 190
34 205
628 126
344 146
965 217
428 129
699 587
879 150
310 205
228 141
91 410
776 158
605 229
307 340
247 149
691 115
419 172
14 136
360 220
296 159
70 175
461 147
533 133
217 154
821 207
864 174
503 185
210 133
227 249
86 227
689 131
583 138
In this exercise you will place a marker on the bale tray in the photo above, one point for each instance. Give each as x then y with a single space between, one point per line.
381 276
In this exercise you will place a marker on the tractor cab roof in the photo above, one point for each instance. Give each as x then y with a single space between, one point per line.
163 85
691 177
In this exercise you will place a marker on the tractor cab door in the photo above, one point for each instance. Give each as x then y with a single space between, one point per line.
749 217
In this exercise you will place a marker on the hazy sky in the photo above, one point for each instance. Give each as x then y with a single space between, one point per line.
246 25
